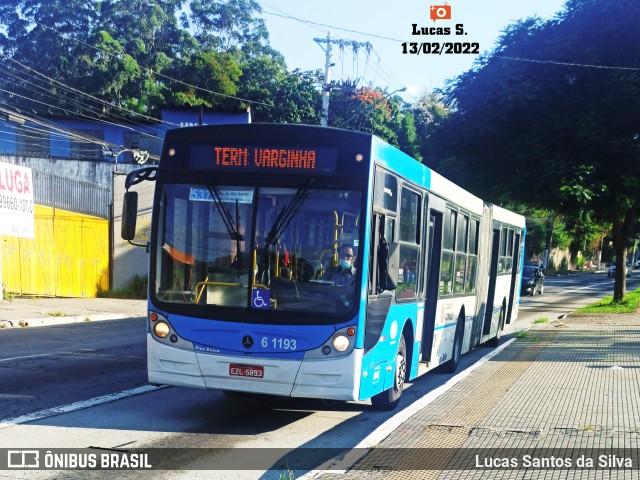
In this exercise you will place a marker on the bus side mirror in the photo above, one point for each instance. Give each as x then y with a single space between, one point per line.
129 216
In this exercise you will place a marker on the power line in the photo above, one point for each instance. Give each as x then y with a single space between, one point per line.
332 27
70 134
567 64
80 92
382 70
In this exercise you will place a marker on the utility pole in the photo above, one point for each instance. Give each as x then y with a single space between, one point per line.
326 89
326 84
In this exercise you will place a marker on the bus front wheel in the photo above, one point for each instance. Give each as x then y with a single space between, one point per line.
389 399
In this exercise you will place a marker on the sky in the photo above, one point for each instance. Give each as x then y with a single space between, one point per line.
387 25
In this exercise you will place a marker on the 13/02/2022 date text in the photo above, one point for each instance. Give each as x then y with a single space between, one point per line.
436 48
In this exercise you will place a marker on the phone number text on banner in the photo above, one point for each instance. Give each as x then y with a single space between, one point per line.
16 201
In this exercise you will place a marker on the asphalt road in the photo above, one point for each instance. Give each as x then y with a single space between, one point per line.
85 368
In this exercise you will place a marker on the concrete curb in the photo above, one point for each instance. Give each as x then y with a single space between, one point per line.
53 320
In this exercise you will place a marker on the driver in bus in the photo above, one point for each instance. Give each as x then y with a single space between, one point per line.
344 272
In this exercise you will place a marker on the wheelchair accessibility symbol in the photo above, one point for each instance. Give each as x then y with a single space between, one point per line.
260 298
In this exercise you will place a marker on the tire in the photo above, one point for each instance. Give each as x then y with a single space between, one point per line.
389 399
495 341
452 365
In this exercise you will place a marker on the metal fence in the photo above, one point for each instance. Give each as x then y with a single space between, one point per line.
90 198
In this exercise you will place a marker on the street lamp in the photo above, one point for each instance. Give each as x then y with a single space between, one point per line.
139 156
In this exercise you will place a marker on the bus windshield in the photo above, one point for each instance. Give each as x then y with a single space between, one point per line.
259 248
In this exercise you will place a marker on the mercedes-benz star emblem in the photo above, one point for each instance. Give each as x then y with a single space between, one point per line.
247 341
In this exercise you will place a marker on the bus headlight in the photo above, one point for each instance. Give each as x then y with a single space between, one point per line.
340 343
161 329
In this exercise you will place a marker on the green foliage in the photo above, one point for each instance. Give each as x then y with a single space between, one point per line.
564 265
6 295
145 55
630 304
136 289
374 111
535 122
430 113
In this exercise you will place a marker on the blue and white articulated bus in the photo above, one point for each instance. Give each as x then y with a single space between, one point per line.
314 262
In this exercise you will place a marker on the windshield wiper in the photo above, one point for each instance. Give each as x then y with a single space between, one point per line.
280 224
233 228
285 216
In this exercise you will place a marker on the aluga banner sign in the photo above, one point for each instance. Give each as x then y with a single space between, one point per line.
16 201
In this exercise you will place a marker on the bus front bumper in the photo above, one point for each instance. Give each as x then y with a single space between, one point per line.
332 379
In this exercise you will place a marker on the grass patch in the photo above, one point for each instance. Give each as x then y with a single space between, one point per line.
58 314
526 335
8 296
607 305
541 320
135 289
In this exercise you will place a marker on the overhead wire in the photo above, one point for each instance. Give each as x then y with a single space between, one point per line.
382 71
77 105
101 102
566 64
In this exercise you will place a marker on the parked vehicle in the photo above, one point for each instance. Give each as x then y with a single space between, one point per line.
537 264
612 270
532 280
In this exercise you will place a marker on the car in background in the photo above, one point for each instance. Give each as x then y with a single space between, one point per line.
636 264
538 264
612 271
532 280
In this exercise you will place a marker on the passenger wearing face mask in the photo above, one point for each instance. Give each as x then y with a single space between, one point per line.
344 272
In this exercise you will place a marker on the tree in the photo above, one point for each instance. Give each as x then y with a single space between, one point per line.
143 55
429 113
372 110
43 35
225 25
552 118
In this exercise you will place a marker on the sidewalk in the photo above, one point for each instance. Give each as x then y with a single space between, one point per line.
36 312
565 392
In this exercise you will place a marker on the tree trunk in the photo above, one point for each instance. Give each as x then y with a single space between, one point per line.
620 286
621 230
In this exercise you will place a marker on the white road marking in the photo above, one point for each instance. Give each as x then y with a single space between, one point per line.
32 356
593 285
341 464
72 407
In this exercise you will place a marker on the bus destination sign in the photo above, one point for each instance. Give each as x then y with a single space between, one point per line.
319 161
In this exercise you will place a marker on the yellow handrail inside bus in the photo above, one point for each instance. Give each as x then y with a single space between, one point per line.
202 285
